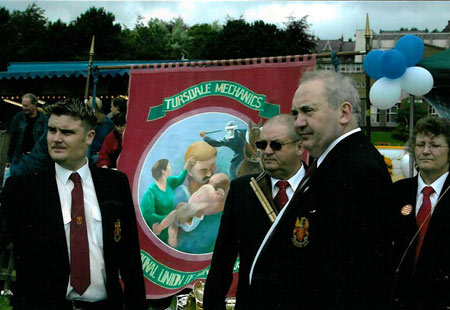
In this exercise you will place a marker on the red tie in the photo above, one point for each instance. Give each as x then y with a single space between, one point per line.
79 245
281 198
423 217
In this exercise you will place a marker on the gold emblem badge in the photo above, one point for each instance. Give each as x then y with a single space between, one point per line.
79 220
300 236
117 231
406 210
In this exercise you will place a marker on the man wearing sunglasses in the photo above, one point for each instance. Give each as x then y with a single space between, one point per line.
245 222
343 210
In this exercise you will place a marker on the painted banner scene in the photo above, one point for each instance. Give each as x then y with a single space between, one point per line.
190 139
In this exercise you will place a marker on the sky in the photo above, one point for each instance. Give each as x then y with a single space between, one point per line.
327 19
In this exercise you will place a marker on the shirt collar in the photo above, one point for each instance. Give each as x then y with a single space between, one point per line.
436 185
334 143
63 174
294 180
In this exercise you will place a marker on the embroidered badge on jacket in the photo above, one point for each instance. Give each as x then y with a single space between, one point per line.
300 236
117 231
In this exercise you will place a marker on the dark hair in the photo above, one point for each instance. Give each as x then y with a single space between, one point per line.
159 167
76 109
32 97
120 103
119 119
430 125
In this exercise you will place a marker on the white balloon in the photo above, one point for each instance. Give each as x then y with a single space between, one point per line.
417 81
385 93
405 166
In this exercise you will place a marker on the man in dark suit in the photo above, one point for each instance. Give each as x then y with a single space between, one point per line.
245 222
422 218
73 227
329 249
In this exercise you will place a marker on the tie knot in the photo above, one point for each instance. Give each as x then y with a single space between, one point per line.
75 177
427 191
282 184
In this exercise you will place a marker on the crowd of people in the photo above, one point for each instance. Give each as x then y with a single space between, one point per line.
334 233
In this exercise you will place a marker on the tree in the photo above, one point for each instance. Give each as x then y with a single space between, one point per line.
102 24
178 38
26 30
57 45
151 41
233 40
297 38
5 36
201 41
266 40
401 132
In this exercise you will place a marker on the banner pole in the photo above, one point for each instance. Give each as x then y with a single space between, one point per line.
91 56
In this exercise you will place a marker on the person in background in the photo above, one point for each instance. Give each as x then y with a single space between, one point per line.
118 105
422 217
112 146
26 128
73 227
103 127
245 222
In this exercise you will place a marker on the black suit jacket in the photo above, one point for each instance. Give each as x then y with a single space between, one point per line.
31 218
345 262
243 226
426 285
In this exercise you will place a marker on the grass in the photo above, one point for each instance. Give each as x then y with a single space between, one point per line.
385 138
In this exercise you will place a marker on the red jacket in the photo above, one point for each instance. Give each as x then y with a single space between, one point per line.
112 145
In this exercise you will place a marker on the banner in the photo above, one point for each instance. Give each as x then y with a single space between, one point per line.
190 131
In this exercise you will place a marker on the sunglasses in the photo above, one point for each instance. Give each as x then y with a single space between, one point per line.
274 145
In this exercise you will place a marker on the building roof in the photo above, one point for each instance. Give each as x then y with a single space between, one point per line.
32 70
339 45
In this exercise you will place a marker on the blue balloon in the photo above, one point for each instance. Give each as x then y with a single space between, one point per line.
411 47
393 64
372 64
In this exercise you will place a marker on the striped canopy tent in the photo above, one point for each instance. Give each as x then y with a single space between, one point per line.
439 66
32 70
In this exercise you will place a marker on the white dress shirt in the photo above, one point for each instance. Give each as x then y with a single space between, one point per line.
97 289
437 187
294 181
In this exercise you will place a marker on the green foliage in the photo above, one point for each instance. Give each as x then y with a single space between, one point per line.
401 132
102 24
4 303
201 41
297 40
385 138
29 36
26 29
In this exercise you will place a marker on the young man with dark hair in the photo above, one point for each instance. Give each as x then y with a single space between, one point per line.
73 227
